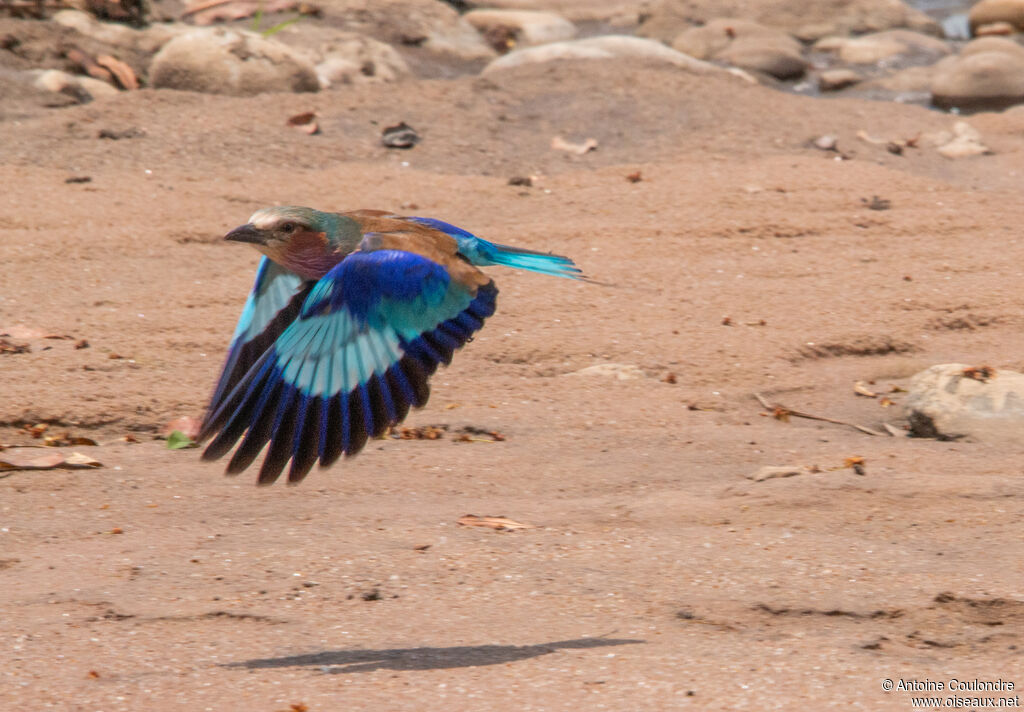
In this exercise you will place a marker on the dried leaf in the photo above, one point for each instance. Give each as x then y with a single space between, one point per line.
18 459
499 523
861 389
560 144
979 373
635 177
422 432
9 347
124 74
89 65
856 462
37 430
771 472
472 434
305 122
66 440
77 459
885 402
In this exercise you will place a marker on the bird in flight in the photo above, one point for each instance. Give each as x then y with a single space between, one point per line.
350 315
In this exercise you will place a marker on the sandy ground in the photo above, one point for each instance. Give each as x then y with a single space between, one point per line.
658 576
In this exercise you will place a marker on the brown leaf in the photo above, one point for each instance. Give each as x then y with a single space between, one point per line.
780 413
29 459
17 460
423 432
67 439
188 426
856 462
861 389
305 122
635 177
885 402
771 472
88 65
473 434
124 74
499 523
9 347
979 373
36 430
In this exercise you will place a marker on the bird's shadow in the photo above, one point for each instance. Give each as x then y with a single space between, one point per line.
349 661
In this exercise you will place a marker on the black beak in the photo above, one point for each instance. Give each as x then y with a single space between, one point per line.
247 233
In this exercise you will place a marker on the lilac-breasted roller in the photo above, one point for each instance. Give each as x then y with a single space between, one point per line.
350 315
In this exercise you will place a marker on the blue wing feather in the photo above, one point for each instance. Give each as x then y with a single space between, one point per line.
358 356
273 304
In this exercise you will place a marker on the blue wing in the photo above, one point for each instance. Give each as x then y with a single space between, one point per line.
273 304
358 356
480 252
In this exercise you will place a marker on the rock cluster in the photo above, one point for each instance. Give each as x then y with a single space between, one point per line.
871 47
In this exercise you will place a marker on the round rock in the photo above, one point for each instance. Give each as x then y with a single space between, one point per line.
836 79
220 61
987 74
529 27
766 55
952 400
352 58
988 12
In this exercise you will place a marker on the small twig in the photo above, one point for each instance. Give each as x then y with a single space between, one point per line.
204 6
809 416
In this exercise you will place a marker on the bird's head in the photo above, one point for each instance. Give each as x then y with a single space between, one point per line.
290 235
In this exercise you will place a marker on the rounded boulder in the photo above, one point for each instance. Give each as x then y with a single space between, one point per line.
987 74
221 61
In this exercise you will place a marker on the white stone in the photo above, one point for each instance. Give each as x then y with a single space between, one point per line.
606 47
532 28
945 401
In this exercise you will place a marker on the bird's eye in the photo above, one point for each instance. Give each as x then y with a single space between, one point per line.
288 227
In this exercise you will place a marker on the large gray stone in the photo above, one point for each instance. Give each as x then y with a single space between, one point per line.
220 61
945 401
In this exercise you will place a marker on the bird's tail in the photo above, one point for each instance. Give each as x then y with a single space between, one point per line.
519 258
482 253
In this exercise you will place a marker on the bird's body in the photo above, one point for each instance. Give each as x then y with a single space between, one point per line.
349 316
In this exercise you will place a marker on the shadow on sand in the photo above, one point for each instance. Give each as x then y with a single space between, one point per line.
347 661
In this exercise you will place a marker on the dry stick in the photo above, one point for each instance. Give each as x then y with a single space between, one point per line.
798 414
204 6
